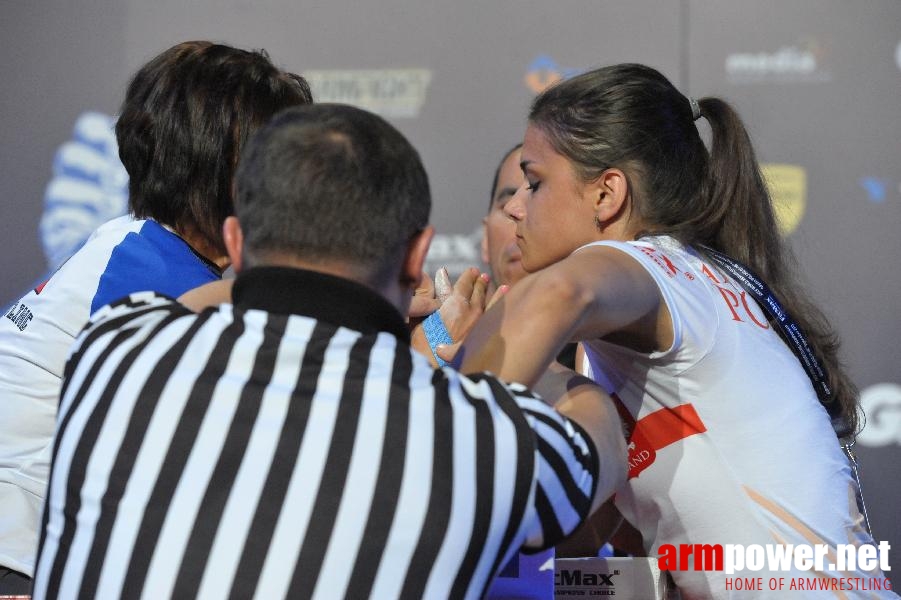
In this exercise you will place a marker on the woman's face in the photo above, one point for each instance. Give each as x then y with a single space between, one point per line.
554 212
499 248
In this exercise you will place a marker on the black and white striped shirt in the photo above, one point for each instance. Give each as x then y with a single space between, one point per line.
293 445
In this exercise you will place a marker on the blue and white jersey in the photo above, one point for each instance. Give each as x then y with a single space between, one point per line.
36 333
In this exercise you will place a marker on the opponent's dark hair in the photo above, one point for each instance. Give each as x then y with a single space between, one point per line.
631 117
497 174
331 181
185 117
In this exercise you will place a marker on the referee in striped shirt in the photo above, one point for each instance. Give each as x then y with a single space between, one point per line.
290 443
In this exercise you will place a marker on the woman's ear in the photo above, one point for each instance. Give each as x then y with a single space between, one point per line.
611 192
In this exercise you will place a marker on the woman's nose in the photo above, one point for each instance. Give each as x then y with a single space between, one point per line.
515 208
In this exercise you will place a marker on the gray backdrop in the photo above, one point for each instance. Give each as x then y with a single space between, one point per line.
818 83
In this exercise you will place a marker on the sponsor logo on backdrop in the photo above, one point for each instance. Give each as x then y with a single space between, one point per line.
455 252
391 93
878 189
875 187
882 405
803 62
545 72
788 189
89 187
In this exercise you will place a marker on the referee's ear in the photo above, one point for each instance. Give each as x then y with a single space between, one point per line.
414 259
234 241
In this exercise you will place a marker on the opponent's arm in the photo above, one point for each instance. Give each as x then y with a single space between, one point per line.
210 294
581 400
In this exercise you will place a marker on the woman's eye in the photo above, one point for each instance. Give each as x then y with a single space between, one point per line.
533 186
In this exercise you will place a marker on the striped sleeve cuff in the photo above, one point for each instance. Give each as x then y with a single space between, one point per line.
567 467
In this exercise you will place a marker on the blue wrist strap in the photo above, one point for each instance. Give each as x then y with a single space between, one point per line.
436 333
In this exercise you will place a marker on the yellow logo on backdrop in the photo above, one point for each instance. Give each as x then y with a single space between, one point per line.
788 189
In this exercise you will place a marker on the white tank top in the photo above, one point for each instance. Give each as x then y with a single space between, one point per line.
730 443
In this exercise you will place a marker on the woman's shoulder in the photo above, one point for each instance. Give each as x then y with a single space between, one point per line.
663 256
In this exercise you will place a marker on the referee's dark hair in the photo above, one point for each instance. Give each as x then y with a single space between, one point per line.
184 120
331 182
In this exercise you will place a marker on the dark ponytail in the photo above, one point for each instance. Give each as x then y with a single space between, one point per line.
738 219
631 117
740 204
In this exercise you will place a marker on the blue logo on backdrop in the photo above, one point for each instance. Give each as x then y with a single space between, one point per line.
876 188
545 72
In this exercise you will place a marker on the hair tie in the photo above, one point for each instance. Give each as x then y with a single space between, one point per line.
695 108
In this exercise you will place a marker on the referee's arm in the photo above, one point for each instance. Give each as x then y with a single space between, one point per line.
582 401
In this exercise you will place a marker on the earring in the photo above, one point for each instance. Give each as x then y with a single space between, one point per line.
598 225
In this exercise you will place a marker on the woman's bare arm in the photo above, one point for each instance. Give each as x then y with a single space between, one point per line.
596 292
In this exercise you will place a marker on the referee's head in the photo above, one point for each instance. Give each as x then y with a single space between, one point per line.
333 188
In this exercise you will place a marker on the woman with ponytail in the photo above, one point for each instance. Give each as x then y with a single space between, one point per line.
733 420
